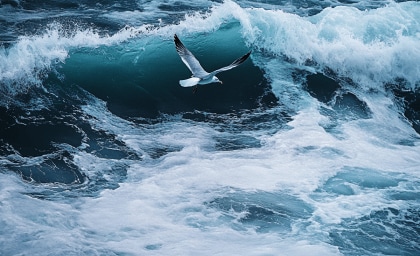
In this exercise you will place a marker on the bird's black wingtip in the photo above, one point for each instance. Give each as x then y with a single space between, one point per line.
179 45
242 59
247 55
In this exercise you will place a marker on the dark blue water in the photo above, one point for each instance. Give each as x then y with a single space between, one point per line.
311 147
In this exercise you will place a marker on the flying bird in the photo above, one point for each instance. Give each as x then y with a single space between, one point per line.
199 75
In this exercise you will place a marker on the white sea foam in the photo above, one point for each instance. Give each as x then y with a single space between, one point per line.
374 46
161 208
168 195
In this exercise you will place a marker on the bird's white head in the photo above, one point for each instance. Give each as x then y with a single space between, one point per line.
216 80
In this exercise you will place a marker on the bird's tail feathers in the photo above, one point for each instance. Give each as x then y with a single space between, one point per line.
189 82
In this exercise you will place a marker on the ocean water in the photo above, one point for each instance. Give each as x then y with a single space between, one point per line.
311 147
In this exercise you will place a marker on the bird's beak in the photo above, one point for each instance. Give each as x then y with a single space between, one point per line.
220 82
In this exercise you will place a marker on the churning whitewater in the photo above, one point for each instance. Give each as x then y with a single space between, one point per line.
310 147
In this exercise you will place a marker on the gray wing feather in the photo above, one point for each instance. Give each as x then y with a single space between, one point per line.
188 58
234 64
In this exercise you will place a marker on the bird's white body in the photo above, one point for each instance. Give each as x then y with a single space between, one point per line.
190 82
195 81
199 75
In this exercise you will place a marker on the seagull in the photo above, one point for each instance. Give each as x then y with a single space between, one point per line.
199 75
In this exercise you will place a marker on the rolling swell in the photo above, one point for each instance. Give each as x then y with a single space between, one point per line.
140 78
44 127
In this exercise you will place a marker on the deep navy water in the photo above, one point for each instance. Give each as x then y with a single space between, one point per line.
311 147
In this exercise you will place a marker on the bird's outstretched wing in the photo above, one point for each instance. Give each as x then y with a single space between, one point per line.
188 58
234 64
